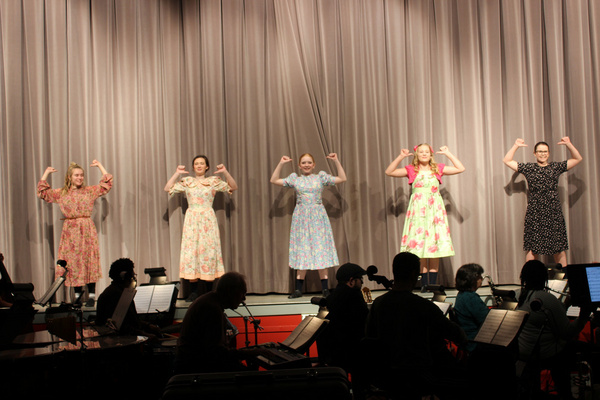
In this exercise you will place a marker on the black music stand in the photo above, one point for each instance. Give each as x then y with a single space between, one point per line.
52 290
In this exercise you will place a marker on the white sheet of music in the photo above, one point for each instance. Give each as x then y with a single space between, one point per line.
490 326
557 284
151 298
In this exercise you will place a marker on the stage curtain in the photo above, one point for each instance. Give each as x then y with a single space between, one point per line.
145 85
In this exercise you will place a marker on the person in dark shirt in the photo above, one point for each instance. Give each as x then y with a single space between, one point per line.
205 343
123 276
347 316
406 335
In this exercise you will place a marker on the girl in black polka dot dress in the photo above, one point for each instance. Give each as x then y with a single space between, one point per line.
545 230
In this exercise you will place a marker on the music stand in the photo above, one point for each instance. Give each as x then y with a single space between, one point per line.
52 290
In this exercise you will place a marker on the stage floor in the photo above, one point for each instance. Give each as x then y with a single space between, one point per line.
279 304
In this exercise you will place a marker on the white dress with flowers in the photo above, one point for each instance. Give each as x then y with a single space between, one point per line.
426 232
201 256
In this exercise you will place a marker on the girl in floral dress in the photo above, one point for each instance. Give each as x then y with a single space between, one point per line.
426 232
311 239
79 239
201 257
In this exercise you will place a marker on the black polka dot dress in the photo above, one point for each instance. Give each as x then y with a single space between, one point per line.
545 230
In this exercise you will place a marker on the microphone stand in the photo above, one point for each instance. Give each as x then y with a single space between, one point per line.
255 322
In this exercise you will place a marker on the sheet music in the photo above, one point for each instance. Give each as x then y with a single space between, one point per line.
593 278
490 326
151 298
445 307
122 307
558 285
509 328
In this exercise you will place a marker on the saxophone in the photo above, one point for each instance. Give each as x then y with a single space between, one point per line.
497 299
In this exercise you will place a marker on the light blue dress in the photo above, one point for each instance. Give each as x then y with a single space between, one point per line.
311 239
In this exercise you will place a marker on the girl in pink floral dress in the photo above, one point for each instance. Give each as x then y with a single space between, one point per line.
79 239
201 257
426 233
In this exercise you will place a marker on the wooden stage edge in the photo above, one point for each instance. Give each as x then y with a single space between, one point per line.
279 304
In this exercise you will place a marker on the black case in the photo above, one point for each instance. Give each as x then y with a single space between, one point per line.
304 383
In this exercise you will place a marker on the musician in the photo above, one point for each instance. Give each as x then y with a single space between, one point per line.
203 344
548 335
406 336
347 317
470 310
123 276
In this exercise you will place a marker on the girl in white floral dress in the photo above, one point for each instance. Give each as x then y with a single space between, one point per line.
201 257
311 239
426 233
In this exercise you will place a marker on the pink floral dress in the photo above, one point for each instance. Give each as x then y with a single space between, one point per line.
426 232
79 239
201 256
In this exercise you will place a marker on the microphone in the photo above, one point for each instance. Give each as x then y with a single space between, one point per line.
254 321
62 263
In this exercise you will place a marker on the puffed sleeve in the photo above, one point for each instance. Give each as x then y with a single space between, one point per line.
105 184
220 185
290 181
326 179
46 193
181 186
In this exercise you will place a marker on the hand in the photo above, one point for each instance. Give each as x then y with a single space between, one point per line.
333 156
49 171
95 163
520 143
181 170
405 153
565 141
443 150
285 159
220 169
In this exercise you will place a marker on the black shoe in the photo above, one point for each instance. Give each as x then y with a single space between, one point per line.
193 296
295 295
325 292
90 302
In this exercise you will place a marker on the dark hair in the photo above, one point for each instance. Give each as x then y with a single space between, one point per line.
405 266
467 276
540 143
118 267
231 283
534 276
205 159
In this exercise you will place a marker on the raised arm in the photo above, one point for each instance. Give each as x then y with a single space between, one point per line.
393 170
230 181
456 167
180 171
275 179
341 174
96 163
575 156
508 158
47 173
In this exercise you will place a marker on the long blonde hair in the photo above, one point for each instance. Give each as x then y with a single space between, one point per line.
432 163
68 182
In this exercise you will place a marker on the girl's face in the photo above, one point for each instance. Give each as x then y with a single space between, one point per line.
424 154
77 177
200 166
306 165
542 154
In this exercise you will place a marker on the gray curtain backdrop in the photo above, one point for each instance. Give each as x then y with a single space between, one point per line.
145 85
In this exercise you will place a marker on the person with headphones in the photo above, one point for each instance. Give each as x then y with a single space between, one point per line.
123 276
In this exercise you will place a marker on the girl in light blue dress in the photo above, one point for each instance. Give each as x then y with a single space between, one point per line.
311 239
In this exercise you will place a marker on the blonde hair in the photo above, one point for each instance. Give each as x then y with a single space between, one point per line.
432 163
68 182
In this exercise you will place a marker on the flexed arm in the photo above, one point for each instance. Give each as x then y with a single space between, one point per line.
96 163
230 181
47 173
275 179
180 171
457 167
508 158
341 174
393 170
575 156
